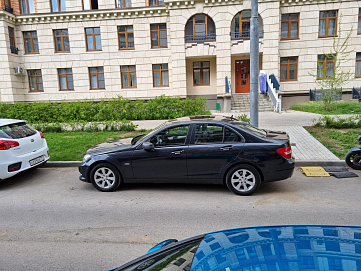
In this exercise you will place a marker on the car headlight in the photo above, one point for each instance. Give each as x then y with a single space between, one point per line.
86 158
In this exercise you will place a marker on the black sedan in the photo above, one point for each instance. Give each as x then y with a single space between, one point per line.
197 149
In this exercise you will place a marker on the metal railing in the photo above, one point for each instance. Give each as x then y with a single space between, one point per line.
321 94
272 93
200 38
244 35
9 9
14 50
356 93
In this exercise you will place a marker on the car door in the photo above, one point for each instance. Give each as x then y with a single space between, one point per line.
168 161
213 147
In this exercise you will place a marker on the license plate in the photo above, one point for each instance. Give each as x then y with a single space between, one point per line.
37 160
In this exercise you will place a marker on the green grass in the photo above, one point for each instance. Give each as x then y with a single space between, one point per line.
338 141
338 107
71 146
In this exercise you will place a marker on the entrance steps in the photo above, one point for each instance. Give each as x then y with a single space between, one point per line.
241 102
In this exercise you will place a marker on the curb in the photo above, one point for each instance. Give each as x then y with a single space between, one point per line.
298 163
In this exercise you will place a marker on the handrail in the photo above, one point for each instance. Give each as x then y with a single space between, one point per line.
272 93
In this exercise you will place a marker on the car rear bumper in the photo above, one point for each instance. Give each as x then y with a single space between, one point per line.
281 173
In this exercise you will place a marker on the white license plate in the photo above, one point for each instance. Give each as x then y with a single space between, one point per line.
37 160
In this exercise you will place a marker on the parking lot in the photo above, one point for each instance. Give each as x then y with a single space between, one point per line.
52 221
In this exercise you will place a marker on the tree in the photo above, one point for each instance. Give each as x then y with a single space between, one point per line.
330 76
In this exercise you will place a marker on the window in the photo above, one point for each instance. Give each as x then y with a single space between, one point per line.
160 75
200 27
93 39
27 6
156 2
96 75
158 33
126 37
35 80
31 42
61 39
328 23
123 3
90 4
359 22
173 136
201 73
289 68
57 5
289 25
13 48
325 66
358 65
210 133
66 79
129 78
330 232
241 25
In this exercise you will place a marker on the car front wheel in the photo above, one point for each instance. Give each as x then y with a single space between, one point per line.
105 177
243 180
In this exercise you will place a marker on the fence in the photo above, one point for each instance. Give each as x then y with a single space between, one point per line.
320 94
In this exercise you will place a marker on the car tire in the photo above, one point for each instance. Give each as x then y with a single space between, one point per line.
243 180
105 177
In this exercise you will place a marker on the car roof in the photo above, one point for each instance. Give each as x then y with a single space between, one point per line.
9 121
210 118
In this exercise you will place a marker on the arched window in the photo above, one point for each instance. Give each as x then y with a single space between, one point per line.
200 27
241 25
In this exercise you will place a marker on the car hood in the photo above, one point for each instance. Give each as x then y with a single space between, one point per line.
278 135
117 145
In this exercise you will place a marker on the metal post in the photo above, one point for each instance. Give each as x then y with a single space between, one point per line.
254 65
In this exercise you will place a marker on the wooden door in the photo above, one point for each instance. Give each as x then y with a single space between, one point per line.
242 76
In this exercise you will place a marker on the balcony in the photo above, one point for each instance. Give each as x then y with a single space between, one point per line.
14 50
9 9
244 35
200 38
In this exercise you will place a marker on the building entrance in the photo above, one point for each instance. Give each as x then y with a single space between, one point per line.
242 76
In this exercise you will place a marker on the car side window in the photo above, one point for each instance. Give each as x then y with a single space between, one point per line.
230 136
172 136
208 133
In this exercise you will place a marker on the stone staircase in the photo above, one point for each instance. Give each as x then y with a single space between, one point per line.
241 103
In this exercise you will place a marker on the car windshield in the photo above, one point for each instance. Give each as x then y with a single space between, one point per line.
16 130
251 128
140 137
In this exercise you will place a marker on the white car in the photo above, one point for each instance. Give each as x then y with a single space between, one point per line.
21 147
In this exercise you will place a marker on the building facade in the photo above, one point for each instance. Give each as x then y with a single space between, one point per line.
65 50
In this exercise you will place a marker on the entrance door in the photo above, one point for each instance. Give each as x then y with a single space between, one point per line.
242 76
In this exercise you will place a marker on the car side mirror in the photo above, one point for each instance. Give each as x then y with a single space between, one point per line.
147 146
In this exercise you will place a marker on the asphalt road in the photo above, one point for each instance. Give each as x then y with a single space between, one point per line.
49 220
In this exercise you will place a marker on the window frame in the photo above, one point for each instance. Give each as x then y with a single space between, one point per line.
289 22
12 40
161 71
158 30
323 64
193 37
359 22
358 60
59 6
62 40
128 72
37 75
124 3
126 33
28 7
93 39
31 38
96 73
239 35
201 73
288 64
327 19
66 74
157 3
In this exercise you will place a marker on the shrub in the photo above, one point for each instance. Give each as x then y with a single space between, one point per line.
337 122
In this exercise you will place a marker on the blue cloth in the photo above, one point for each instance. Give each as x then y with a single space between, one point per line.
263 83
274 81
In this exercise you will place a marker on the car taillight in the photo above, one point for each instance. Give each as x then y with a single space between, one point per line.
41 135
285 152
8 144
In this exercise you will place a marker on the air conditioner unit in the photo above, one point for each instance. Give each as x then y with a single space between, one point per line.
19 71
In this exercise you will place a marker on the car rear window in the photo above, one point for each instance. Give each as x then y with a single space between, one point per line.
16 130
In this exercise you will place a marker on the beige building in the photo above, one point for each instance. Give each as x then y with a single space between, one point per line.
65 50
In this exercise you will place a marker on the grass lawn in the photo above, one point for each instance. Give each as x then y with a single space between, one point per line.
71 146
338 107
338 141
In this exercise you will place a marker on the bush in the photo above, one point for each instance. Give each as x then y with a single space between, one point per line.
338 123
113 110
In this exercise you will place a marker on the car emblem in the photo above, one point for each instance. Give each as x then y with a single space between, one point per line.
32 140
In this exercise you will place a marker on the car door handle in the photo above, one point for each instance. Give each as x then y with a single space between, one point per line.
177 152
226 148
